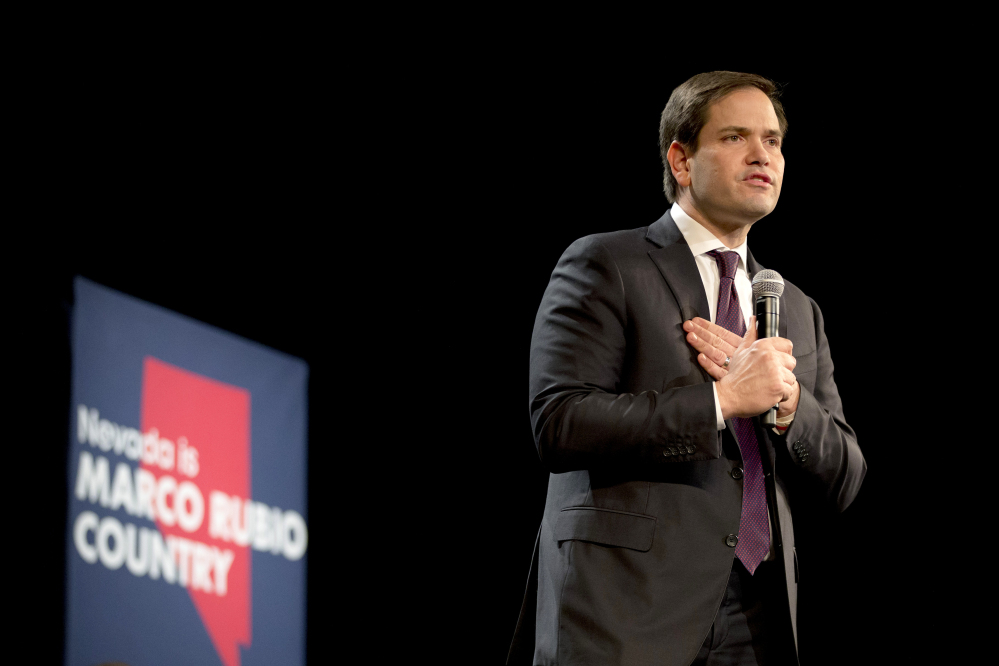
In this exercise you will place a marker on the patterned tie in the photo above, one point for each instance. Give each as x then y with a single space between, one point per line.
754 527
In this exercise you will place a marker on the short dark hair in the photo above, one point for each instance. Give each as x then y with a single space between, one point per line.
687 111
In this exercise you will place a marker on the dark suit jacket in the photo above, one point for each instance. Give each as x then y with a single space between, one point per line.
632 561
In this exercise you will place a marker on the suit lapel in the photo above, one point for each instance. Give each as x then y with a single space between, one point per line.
677 266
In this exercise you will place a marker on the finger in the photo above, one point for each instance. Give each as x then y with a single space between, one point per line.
787 360
750 336
706 329
783 345
788 377
790 392
716 371
708 338
713 353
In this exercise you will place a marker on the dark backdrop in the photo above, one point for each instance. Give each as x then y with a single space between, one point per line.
396 228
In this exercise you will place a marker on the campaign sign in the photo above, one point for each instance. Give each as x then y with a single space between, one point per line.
187 536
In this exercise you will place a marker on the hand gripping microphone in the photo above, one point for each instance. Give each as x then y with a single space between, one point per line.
767 287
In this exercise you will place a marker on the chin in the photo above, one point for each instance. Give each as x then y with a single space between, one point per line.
756 212
760 208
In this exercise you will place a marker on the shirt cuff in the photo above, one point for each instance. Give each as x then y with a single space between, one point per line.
718 415
783 423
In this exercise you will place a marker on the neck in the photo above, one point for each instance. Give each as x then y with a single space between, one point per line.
732 234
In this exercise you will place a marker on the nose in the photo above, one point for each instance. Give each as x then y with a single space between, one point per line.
757 154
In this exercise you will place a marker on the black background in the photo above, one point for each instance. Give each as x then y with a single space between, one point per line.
395 225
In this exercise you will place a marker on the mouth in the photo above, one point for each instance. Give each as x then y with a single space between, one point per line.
758 179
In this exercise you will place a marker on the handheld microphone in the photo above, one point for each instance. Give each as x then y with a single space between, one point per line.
767 288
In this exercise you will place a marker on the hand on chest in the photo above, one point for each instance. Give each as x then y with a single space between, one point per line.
658 354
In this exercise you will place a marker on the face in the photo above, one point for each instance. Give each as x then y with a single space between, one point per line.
735 175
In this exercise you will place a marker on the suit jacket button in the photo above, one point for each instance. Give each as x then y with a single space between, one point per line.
736 473
731 540
690 449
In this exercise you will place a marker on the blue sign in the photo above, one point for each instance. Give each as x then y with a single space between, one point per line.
187 533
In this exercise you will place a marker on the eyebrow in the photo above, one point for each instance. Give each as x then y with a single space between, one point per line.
746 130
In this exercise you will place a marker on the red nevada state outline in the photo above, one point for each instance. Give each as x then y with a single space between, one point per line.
215 419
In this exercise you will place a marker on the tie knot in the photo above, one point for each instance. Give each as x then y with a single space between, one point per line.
727 262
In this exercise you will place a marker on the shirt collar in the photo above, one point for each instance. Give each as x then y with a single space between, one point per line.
700 240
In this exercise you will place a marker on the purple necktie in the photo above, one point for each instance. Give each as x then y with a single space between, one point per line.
754 527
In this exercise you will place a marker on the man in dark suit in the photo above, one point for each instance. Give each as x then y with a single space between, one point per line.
667 536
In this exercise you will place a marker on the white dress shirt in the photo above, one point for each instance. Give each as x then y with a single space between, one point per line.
701 241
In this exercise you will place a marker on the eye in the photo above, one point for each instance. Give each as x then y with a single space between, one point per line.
774 142
733 138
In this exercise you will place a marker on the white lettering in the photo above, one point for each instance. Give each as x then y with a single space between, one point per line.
277 531
246 522
201 567
189 519
93 427
161 559
187 458
218 516
81 423
150 446
121 490
92 480
137 554
177 560
164 454
181 551
145 491
112 556
131 443
223 560
134 445
106 435
242 534
85 522
296 536
165 514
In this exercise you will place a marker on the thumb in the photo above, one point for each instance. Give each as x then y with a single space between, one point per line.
750 336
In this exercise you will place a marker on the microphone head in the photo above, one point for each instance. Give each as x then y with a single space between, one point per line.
767 283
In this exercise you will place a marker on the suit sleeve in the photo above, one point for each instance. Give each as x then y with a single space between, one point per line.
580 417
821 443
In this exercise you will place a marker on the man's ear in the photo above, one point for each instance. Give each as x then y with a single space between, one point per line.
677 157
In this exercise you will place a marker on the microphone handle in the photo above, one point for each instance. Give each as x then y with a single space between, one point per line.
767 323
